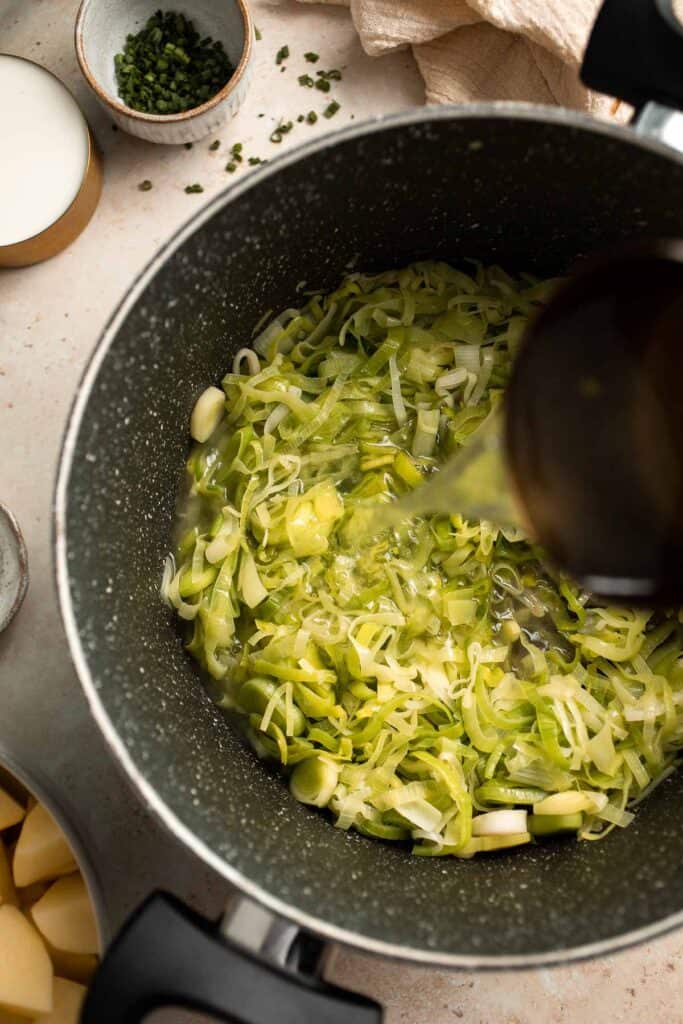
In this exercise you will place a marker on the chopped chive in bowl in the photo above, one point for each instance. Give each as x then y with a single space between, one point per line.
168 68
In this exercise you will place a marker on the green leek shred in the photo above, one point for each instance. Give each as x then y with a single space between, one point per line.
440 670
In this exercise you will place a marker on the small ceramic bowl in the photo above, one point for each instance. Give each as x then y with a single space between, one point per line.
13 567
101 30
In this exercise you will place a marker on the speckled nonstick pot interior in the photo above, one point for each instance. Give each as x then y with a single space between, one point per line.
529 188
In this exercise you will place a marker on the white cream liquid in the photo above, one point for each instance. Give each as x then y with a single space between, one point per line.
43 149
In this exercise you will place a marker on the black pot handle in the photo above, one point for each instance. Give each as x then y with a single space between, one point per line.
635 52
166 955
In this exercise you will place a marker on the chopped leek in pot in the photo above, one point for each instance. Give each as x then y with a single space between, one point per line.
436 683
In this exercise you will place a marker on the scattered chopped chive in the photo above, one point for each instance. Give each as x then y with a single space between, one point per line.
323 85
230 168
188 145
236 152
168 68
261 115
257 33
254 160
214 145
145 185
311 117
306 81
300 118
282 129
282 54
331 109
311 57
334 75
194 188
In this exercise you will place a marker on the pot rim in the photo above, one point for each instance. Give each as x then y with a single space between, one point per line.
318 926
37 788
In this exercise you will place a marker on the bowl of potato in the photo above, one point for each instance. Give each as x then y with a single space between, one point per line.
50 936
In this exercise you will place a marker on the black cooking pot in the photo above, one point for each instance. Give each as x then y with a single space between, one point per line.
526 187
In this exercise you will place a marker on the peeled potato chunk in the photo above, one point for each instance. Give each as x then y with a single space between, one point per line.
68 999
25 968
8 894
74 966
65 918
42 850
30 894
11 812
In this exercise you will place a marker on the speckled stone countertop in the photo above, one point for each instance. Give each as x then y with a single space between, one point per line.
50 317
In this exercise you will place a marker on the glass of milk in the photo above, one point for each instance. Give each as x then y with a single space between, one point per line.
50 175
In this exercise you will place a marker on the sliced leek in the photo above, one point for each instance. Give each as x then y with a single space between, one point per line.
571 803
207 414
434 683
553 824
499 823
314 780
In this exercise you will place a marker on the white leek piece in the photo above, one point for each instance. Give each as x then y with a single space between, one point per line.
571 802
206 414
499 823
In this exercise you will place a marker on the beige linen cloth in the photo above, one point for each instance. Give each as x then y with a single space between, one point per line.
469 50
